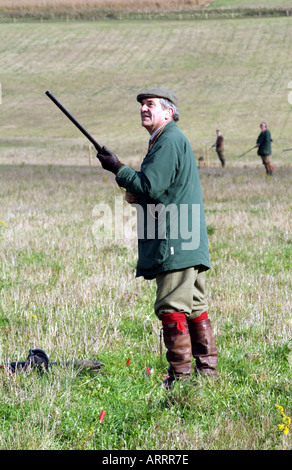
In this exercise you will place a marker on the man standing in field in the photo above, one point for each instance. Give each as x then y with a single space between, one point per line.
172 235
265 148
219 146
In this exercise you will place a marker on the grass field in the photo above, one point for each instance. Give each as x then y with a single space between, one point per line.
75 295
250 4
222 75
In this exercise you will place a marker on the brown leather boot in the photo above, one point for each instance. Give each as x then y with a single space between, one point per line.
179 353
203 347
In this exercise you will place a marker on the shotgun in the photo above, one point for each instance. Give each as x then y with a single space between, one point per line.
37 359
247 151
75 122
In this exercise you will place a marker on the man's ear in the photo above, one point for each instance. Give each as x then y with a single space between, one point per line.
169 114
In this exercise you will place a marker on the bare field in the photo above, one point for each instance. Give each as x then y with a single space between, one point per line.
138 5
104 4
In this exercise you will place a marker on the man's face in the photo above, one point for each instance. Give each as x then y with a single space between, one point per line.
153 115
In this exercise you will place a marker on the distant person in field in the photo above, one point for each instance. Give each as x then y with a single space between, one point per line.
219 147
263 143
172 236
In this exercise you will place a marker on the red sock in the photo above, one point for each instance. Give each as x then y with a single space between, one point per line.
174 317
203 316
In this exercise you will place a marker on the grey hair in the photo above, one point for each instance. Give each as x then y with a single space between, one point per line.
168 104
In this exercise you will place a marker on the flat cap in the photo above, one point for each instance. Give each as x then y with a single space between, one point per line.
158 93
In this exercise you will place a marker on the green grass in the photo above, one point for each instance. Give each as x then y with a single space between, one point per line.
76 296
250 4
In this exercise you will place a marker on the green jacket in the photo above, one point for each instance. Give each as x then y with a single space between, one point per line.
172 231
264 142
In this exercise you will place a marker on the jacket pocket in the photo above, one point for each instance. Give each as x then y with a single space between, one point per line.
152 253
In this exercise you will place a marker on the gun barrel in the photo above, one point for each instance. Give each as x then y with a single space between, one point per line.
75 122
247 151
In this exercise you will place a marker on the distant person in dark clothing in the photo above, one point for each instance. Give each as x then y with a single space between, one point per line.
219 147
265 148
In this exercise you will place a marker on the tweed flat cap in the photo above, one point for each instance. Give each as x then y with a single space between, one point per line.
158 93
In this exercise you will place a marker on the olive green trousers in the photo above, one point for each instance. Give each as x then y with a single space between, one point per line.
182 291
